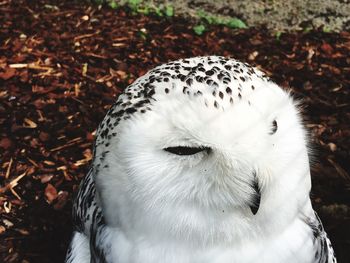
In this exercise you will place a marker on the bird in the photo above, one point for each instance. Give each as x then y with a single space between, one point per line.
202 159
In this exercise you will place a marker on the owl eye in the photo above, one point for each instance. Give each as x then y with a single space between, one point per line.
185 150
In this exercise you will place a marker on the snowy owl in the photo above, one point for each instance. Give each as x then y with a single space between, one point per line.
201 160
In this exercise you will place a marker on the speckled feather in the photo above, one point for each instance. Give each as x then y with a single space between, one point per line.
222 77
216 82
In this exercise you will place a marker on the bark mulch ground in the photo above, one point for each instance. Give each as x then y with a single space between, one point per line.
62 64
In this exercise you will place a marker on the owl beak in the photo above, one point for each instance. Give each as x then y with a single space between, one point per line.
255 206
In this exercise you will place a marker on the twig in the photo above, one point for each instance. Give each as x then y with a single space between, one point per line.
32 162
70 143
15 194
86 35
89 54
73 98
339 169
30 66
12 184
8 169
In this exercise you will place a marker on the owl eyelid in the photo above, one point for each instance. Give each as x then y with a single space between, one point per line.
186 150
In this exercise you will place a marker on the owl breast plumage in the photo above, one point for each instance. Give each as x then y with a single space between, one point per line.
199 160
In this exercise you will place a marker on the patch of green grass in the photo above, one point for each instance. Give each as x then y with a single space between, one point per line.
278 35
199 29
235 23
307 29
169 11
134 4
143 10
326 29
113 4
138 7
231 22
158 11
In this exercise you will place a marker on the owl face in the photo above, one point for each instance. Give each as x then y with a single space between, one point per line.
205 132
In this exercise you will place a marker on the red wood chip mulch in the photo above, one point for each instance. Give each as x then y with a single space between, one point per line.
63 63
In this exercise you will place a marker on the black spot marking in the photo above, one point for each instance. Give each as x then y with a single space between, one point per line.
130 110
199 79
189 81
150 93
257 198
274 127
215 68
209 82
209 72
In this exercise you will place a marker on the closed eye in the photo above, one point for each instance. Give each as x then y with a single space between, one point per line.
185 150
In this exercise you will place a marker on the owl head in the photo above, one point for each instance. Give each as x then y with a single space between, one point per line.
206 135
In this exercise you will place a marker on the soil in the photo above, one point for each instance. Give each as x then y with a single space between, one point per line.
277 15
63 63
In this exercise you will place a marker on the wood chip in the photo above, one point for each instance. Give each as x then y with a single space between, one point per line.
50 193
2 229
30 124
7 207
